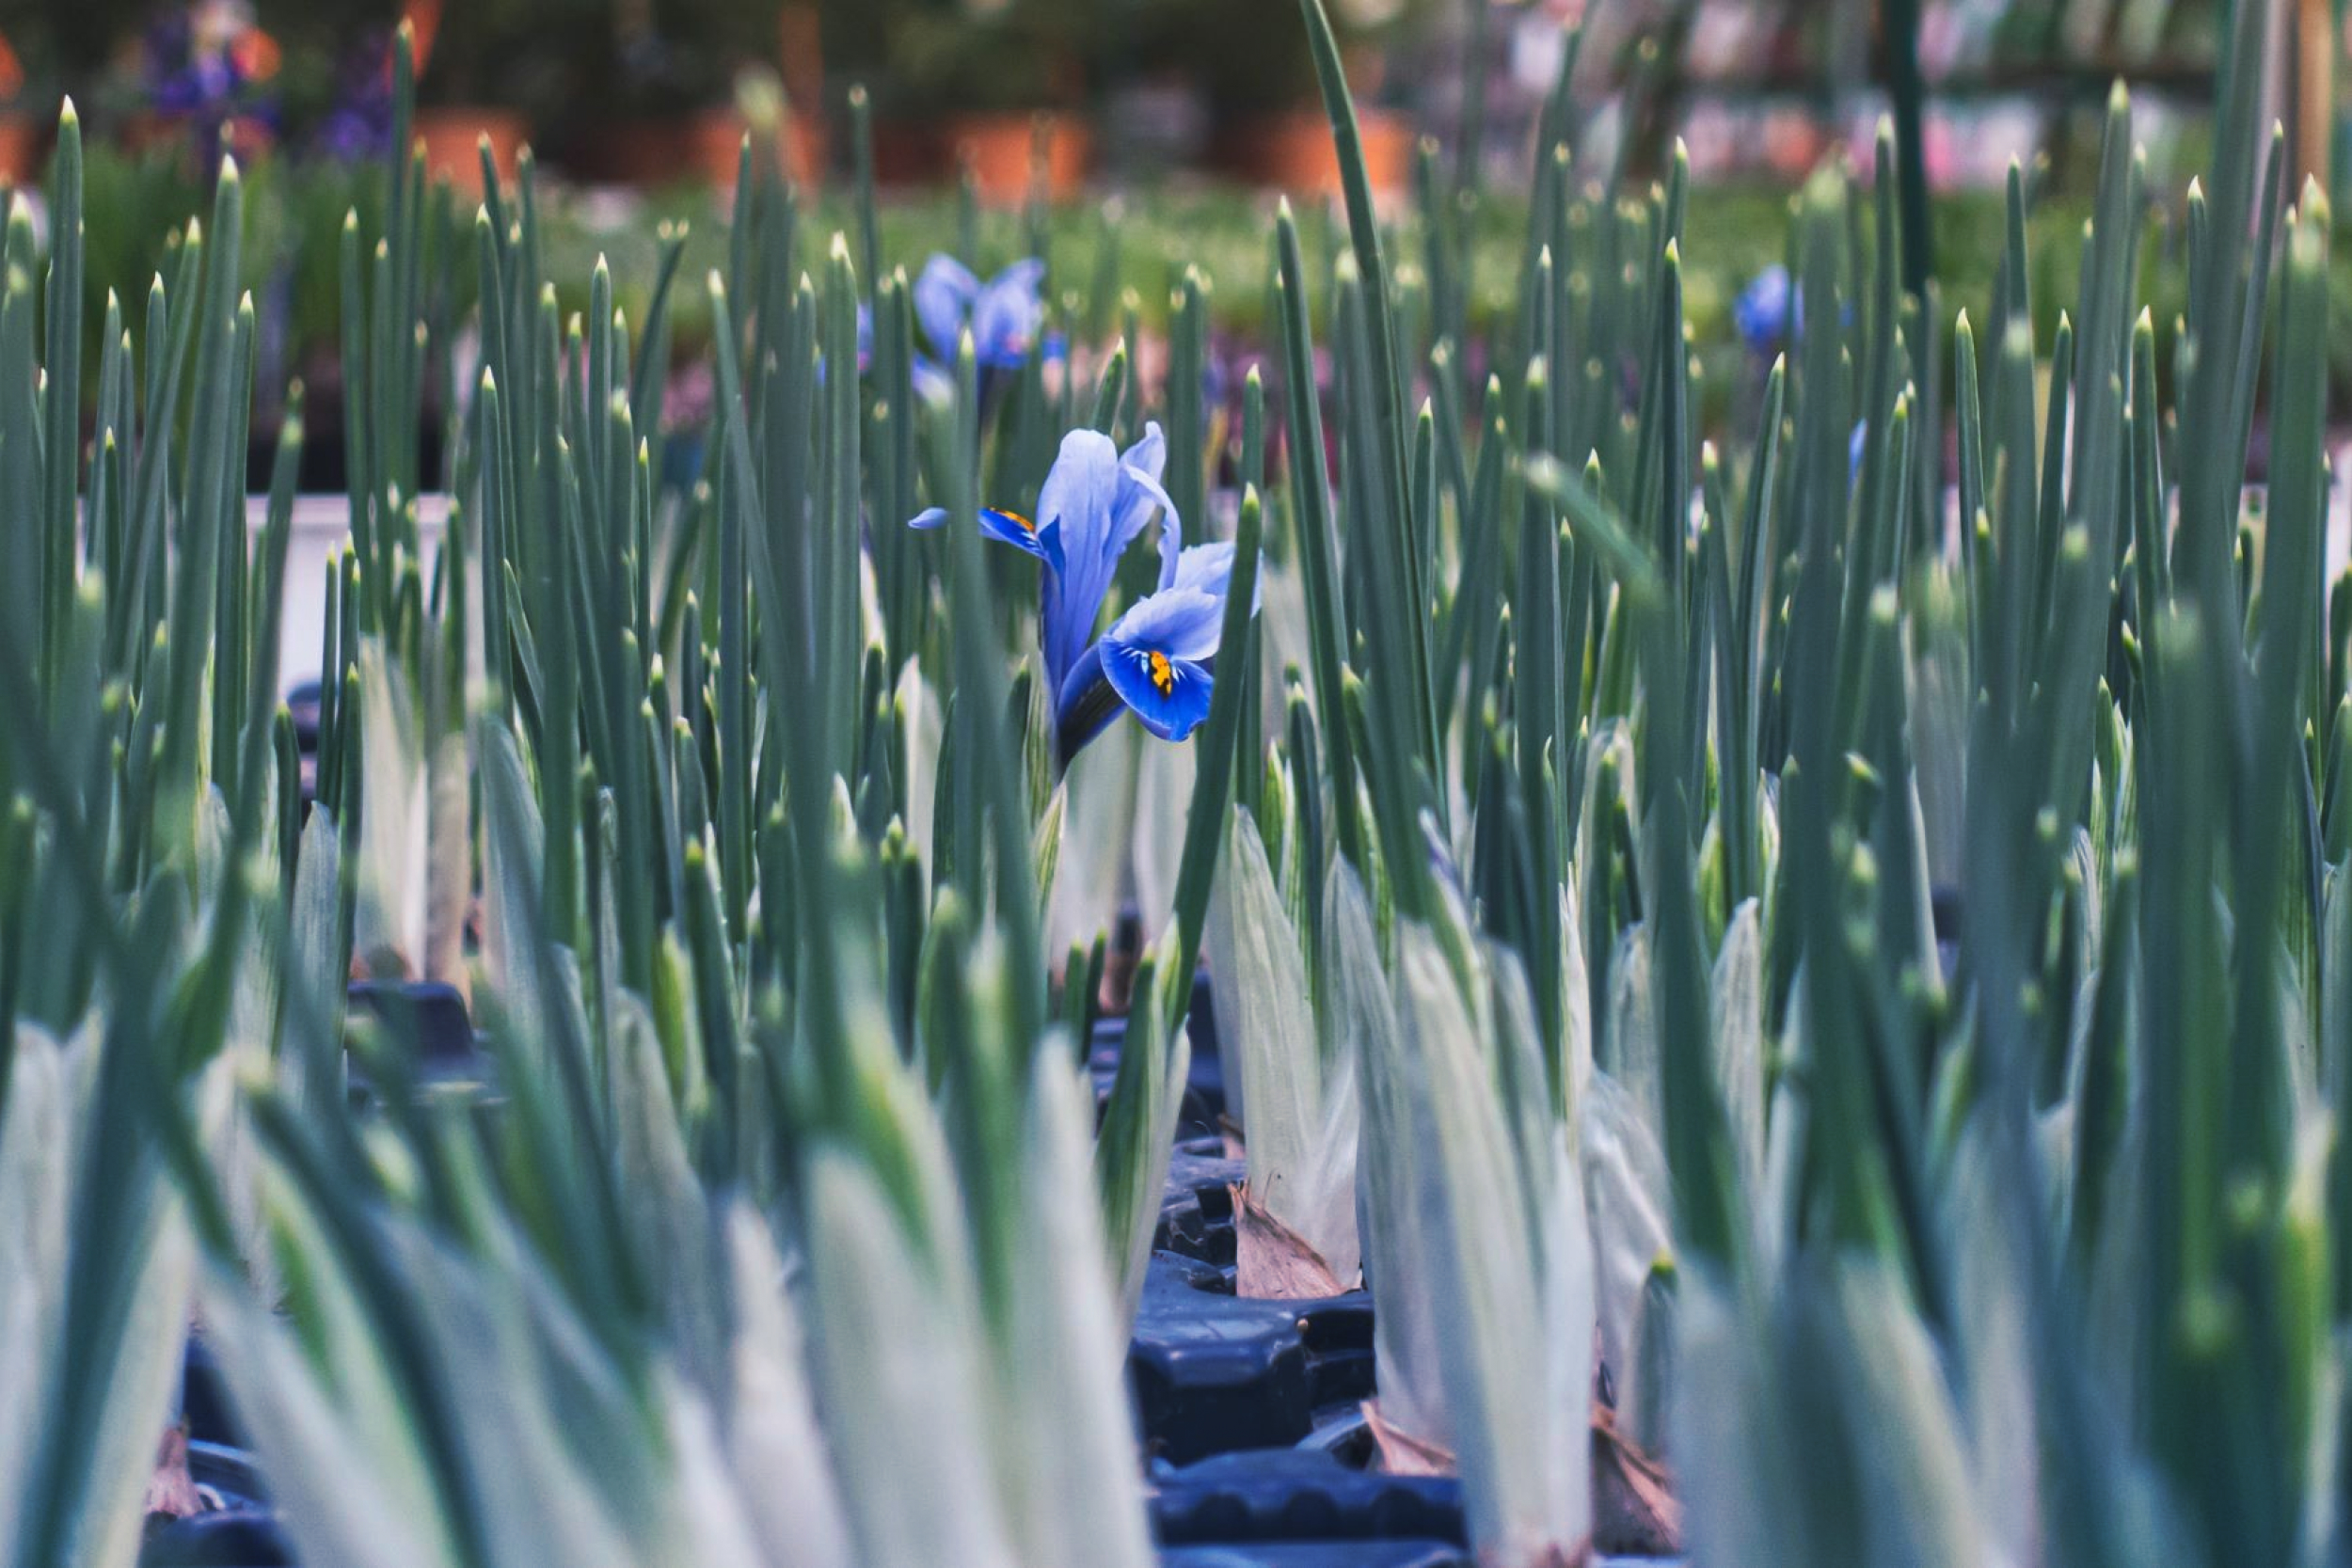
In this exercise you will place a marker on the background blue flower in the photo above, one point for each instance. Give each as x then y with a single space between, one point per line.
1006 314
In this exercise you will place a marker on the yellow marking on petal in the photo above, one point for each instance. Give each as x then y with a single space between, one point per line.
1163 675
1027 527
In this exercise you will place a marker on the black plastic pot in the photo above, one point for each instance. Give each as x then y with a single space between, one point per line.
1207 1077
427 1013
240 1532
241 1529
1197 1209
1202 1110
1945 910
303 705
204 1399
438 1050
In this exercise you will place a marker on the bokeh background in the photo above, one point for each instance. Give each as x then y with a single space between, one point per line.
1123 138
1141 92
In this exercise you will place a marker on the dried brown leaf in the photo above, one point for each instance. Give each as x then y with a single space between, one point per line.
171 1489
1276 1263
1396 1452
1635 1512
384 962
1578 1556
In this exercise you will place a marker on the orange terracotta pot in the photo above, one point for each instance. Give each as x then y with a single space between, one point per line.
22 140
1002 151
1292 153
703 147
453 136
907 153
423 20
249 140
801 51
713 144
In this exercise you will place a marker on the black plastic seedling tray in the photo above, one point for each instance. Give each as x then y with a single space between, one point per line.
1213 1372
1300 1495
1321 1554
1251 1411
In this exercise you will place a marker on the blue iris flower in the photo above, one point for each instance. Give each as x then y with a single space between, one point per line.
1156 659
1766 311
1005 314
1771 310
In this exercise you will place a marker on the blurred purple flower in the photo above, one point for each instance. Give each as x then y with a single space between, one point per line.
211 65
359 126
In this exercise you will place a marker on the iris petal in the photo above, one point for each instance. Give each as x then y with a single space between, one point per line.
1141 494
1210 567
1207 567
1149 454
1170 695
933 384
1086 705
1006 314
1183 623
1008 527
1139 498
1065 624
1078 501
1013 529
942 297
